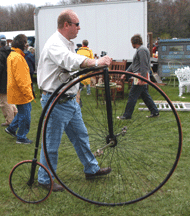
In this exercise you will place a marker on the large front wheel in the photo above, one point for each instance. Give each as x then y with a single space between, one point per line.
143 153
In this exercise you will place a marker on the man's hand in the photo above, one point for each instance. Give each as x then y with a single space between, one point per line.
106 60
141 82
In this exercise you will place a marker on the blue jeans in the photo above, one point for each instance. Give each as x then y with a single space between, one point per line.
135 92
66 117
21 121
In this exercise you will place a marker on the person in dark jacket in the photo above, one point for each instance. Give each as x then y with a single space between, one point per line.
78 46
140 66
30 59
9 110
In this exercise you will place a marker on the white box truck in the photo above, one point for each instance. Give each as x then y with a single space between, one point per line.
9 35
108 26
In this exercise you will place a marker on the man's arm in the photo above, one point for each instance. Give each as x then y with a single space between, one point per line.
144 59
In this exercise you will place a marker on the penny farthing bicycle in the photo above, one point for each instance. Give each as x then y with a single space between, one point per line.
142 152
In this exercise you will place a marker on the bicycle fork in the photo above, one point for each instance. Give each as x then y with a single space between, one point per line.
111 138
33 169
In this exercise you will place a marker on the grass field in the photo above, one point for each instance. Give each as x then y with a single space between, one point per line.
173 199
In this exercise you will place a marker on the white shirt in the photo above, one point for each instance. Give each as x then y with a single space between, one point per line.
58 58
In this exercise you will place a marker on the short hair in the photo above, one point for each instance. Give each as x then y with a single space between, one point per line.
137 39
63 17
85 42
19 41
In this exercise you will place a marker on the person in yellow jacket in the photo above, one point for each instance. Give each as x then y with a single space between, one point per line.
19 90
84 50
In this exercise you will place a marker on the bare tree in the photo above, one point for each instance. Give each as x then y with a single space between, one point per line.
18 17
182 19
21 17
5 19
170 17
155 18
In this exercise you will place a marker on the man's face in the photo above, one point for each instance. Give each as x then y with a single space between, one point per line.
74 27
26 46
133 45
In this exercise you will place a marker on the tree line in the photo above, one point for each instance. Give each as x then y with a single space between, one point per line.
169 19
166 19
16 18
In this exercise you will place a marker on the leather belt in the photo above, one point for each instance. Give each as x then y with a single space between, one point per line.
45 92
63 99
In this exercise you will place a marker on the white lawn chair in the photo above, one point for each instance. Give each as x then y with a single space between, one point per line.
173 65
183 75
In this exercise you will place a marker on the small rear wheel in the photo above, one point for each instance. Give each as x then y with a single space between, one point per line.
19 182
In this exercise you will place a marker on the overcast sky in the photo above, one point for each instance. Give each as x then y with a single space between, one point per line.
34 2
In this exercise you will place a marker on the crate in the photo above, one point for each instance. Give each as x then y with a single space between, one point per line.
172 49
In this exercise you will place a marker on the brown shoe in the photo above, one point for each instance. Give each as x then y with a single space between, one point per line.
56 187
101 171
153 115
5 124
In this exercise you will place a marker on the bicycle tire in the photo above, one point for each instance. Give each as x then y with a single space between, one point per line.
142 160
18 182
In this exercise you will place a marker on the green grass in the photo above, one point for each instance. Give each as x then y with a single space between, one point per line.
172 199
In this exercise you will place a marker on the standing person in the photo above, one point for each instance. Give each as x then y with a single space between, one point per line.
155 48
140 66
9 110
59 57
30 59
78 46
84 50
19 90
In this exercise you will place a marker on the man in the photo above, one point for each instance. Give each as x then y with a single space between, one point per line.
140 66
59 57
84 50
30 59
9 110
19 90
78 46
155 48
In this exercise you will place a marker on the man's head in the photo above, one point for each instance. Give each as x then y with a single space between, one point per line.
20 41
136 41
2 40
85 43
68 24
